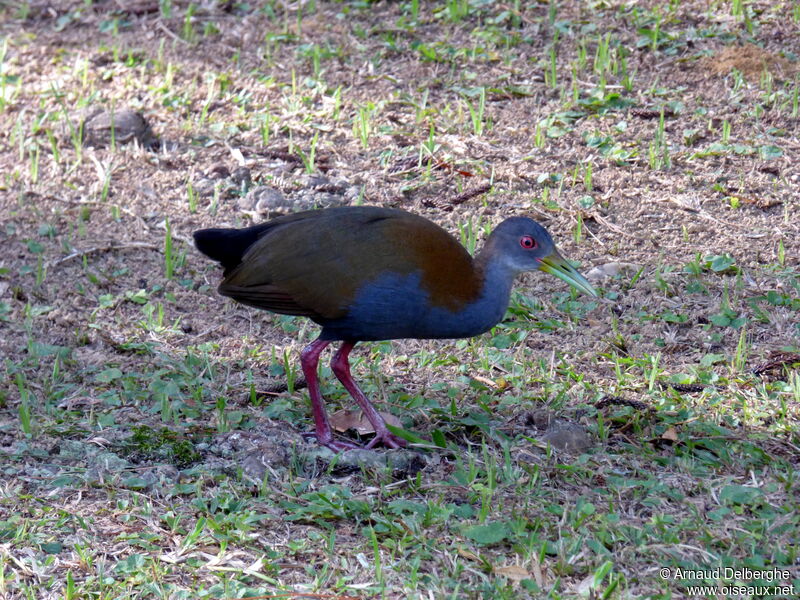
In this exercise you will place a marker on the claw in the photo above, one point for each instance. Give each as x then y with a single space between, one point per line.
340 445
388 439
335 445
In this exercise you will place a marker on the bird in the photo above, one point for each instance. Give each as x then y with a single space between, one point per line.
370 273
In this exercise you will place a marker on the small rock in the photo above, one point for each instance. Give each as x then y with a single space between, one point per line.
567 437
279 168
265 200
313 181
612 269
160 476
204 187
147 190
218 171
241 176
105 467
100 127
352 193
402 462
325 200
267 457
540 418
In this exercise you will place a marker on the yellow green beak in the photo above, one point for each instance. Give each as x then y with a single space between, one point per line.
557 265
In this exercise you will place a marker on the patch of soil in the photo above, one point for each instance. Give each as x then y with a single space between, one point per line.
750 60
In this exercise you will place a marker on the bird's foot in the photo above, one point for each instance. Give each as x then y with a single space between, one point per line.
329 442
340 445
388 439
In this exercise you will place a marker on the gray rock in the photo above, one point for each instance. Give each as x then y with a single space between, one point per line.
241 176
204 187
352 193
313 181
265 200
160 476
567 437
326 200
611 270
559 433
100 127
218 171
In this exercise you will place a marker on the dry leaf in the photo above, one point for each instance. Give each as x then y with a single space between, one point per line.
515 573
485 381
237 155
585 587
345 419
613 269
469 555
538 576
99 441
670 435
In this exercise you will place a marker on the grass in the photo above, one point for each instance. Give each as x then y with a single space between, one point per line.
149 429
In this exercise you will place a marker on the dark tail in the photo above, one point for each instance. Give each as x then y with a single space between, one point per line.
228 246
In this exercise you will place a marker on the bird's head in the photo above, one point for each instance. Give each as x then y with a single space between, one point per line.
524 245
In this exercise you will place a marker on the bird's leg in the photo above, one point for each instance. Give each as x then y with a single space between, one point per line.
341 368
309 359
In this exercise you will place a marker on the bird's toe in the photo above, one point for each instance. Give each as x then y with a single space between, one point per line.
388 439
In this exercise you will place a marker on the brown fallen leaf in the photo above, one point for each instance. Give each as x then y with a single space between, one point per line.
345 419
670 435
515 573
486 381
538 576
469 555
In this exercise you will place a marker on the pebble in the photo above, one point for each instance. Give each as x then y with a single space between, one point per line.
100 127
267 200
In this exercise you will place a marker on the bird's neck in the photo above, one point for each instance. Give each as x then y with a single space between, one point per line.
493 268
495 278
496 274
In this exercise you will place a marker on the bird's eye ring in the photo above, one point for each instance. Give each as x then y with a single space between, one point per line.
527 242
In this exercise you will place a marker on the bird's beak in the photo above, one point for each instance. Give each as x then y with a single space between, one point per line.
557 265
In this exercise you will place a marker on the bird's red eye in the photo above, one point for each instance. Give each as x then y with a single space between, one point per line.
527 242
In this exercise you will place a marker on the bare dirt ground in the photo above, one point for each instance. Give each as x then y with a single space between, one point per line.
109 319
